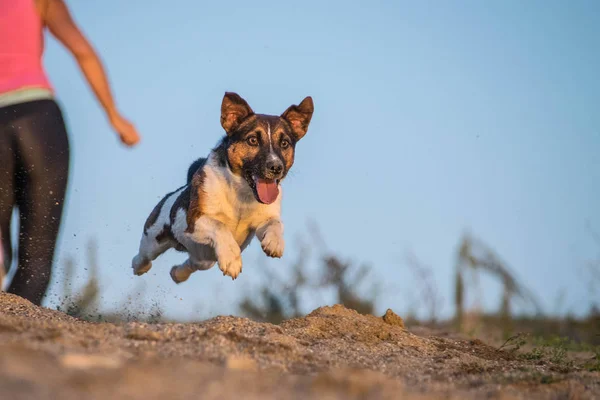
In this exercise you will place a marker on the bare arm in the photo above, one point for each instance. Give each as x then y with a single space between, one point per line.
58 19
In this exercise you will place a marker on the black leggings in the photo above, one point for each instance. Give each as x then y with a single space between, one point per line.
34 168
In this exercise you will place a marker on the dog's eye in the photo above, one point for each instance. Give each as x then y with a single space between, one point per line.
252 141
284 144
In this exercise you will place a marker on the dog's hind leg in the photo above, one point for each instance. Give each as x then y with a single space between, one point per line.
151 247
202 257
181 273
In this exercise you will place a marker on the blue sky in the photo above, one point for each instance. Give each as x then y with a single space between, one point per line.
431 119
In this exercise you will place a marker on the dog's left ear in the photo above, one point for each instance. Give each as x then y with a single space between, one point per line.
299 117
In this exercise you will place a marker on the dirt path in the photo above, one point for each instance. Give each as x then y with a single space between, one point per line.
331 353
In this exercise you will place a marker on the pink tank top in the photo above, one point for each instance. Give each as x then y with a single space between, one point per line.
21 47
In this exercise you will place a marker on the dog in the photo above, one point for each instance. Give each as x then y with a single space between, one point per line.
231 196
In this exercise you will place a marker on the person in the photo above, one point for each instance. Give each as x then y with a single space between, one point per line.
34 148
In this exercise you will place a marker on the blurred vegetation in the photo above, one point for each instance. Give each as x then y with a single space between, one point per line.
318 276
84 303
280 298
474 257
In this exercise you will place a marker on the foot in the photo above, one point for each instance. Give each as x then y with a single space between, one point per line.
273 244
140 265
229 257
181 273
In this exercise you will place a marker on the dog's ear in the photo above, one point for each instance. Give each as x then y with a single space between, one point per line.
234 110
299 117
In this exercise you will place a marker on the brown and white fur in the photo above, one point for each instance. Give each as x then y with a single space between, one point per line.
231 196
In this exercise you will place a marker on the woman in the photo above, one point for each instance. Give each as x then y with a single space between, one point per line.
34 149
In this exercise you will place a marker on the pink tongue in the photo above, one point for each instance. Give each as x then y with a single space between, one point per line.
267 190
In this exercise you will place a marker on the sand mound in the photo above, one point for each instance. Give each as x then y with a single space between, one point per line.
331 353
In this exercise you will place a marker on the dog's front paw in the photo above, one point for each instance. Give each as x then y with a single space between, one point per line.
273 244
229 257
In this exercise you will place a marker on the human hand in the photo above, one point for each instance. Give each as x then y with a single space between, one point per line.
126 131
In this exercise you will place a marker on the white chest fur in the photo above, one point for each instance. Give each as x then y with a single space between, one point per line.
228 199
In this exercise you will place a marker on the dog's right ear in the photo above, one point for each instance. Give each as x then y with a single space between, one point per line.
234 110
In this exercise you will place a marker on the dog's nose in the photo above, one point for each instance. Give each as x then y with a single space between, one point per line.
275 166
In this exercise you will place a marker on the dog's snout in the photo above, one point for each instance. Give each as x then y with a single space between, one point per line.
274 166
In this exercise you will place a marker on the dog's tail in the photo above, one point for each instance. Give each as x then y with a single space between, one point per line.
196 165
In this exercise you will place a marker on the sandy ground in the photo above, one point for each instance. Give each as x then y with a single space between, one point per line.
332 353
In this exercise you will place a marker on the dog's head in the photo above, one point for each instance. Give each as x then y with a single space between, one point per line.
260 148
